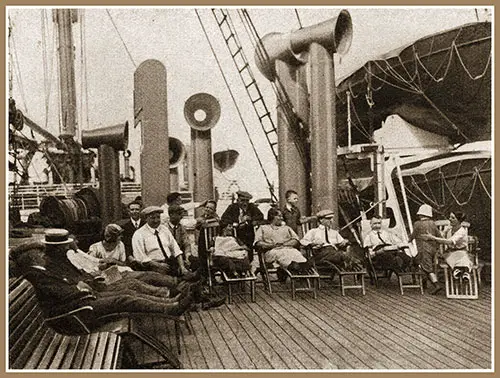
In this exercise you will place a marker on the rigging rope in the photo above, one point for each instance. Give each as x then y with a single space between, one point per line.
119 35
298 18
18 73
270 186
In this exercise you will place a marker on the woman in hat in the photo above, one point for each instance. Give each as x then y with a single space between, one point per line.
110 250
426 247
456 239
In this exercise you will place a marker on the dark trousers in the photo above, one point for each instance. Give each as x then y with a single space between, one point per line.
110 303
230 265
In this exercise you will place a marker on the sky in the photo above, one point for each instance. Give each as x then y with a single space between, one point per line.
110 42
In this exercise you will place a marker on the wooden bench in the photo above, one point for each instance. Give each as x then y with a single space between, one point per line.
38 343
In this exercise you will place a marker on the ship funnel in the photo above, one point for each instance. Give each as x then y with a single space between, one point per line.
334 34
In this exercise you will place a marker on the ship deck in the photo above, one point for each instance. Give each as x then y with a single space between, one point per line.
381 330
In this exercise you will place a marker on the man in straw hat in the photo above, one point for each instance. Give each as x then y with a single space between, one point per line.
60 287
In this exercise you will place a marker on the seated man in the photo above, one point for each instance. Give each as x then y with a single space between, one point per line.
60 287
180 234
155 248
280 243
385 248
328 245
230 254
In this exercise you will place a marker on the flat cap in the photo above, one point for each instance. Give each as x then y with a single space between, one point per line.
325 214
243 195
152 209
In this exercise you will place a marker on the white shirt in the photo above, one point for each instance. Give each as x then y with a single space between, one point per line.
146 247
372 239
317 236
136 223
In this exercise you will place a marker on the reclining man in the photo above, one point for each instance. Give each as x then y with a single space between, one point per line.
329 246
61 288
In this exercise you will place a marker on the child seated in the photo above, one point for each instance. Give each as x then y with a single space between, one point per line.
230 255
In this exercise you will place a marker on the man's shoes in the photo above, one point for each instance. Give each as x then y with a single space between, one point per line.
215 302
183 305
466 276
304 267
191 277
282 275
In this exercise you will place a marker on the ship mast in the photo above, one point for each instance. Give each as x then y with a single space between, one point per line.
64 18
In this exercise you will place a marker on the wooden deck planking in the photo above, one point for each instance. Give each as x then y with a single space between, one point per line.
381 330
390 354
331 342
237 350
452 331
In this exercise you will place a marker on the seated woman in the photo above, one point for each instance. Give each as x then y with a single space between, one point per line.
230 254
280 243
328 245
385 248
456 239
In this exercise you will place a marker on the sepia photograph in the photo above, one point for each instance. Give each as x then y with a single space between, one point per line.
249 188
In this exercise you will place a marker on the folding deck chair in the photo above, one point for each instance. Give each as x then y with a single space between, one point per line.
347 279
210 233
456 286
299 282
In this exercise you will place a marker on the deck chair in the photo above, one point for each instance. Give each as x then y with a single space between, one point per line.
457 287
81 321
327 271
411 278
270 273
248 277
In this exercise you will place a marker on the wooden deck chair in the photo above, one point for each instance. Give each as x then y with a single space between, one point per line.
298 282
412 278
327 271
81 321
209 232
456 286
248 277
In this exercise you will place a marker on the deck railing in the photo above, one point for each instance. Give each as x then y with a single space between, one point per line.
29 196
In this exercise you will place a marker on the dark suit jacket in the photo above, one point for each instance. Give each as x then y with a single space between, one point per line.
56 287
128 232
246 232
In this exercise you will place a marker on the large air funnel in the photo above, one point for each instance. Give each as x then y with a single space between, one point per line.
335 35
